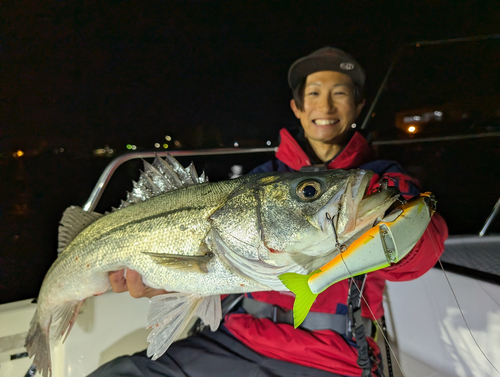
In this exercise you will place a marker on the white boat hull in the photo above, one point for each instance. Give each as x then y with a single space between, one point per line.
425 326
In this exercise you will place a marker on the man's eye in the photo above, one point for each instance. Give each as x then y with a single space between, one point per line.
340 93
312 93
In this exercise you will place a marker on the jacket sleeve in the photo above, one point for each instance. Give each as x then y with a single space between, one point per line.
429 248
264 168
423 256
272 165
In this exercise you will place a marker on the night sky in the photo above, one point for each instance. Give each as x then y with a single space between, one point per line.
85 74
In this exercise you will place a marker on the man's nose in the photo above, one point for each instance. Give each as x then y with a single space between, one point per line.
327 104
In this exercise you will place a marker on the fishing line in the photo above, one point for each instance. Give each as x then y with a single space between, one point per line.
342 248
379 328
459 307
487 292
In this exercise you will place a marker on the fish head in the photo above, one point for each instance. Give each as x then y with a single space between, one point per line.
284 218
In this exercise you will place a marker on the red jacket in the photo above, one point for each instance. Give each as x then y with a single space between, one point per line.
325 349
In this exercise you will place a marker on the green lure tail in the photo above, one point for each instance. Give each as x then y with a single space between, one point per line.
304 297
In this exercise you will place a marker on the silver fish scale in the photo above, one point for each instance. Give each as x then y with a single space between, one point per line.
243 235
168 223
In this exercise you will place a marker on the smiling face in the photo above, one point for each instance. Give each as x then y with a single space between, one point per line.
329 108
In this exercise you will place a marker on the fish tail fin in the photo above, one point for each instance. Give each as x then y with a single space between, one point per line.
169 315
304 297
37 344
38 341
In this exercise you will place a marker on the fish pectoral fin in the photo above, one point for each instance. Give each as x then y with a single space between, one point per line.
168 317
196 263
210 311
304 297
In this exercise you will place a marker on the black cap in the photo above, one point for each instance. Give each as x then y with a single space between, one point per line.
326 59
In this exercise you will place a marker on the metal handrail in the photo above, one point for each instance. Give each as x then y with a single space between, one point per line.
435 139
106 175
491 217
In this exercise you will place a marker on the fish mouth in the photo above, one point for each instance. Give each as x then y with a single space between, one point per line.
356 209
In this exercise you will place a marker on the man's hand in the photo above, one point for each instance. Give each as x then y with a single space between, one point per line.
133 284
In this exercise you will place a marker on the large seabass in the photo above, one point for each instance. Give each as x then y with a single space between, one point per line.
201 240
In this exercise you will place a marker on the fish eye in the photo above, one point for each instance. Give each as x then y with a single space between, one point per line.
308 190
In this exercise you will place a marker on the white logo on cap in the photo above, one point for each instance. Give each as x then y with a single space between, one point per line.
347 66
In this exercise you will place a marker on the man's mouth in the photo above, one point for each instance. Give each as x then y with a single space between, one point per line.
325 122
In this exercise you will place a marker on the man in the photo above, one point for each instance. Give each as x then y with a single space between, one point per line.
327 98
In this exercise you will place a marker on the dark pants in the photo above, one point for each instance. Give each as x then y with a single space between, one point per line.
206 354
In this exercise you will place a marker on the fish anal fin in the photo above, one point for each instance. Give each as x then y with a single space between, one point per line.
65 317
168 317
304 297
73 221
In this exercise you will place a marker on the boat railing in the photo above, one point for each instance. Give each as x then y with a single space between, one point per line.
108 172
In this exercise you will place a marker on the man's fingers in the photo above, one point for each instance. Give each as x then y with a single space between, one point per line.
137 288
150 292
118 281
132 283
135 285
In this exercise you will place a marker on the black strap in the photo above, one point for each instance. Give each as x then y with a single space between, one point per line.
314 320
387 348
355 324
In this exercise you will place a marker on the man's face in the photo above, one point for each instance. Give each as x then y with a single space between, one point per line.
329 107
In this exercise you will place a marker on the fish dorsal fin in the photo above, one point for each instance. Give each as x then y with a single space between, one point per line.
160 177
73 221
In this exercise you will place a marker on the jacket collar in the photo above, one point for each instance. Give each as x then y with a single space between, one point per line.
357 152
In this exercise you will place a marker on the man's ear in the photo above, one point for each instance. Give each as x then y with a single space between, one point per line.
295 109
359 107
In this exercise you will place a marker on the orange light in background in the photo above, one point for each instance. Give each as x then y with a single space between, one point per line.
412 129
19 153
